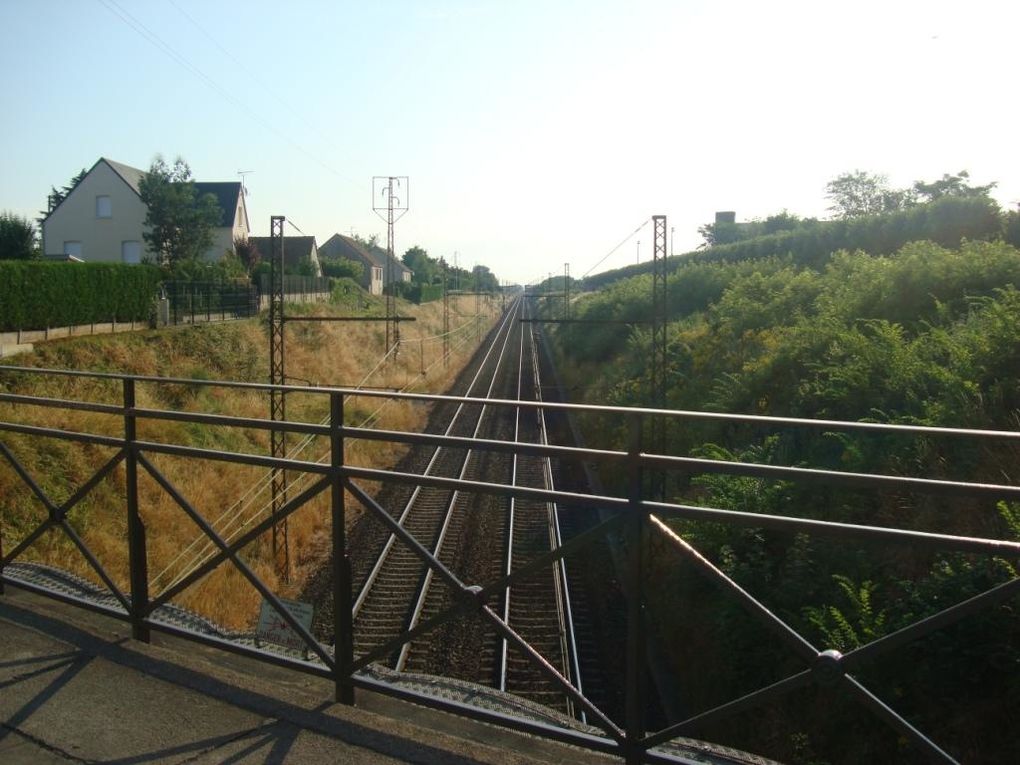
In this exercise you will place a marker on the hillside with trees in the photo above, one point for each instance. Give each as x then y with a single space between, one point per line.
908 316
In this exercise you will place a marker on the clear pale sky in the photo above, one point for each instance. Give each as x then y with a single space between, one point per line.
534 133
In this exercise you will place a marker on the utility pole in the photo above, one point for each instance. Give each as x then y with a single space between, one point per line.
478 294
658 375
566 290
390 207
638 252
277 400
446 317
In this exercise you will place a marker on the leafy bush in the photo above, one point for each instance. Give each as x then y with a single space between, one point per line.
339 268
17 238
418 292
37 295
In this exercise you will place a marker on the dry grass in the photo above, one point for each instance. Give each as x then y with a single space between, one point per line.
334 354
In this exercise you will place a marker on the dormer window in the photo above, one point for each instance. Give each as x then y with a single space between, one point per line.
104 209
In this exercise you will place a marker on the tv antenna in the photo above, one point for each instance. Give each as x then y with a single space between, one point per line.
242 173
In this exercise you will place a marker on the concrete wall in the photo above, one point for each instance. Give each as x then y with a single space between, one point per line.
101 238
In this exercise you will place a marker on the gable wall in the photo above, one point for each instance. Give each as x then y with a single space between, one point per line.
223 237
75 218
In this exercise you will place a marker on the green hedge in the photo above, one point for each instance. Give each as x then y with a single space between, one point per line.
37 295
418 293
425 293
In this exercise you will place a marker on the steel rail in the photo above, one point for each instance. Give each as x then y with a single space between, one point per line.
508 554
765 420
567 669
452 502
680 464
433 461
557 542
834 529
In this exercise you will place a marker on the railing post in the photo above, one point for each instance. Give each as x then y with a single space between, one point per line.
1 555
635 689
137 557
343 623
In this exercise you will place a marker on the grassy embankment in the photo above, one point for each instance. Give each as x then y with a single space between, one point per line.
341 353
925 335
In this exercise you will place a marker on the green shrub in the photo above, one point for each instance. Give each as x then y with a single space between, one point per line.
947 222
37 295
339 268
17 238
419 293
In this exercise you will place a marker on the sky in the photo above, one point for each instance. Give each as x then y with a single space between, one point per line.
532 134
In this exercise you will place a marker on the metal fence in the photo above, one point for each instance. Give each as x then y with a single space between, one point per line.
629 515
191 302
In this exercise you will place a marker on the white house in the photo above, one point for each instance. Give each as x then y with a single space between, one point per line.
102 218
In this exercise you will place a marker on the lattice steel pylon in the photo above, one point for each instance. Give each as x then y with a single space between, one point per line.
387 186
658 355
277 399
566 290
446 318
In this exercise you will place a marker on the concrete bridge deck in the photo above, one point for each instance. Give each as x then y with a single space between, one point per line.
75 688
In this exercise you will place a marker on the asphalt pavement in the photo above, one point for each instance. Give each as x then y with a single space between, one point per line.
74 687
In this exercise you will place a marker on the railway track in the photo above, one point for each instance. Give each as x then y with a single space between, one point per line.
478 537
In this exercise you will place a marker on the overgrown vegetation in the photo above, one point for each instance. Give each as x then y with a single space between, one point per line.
849 321
947 222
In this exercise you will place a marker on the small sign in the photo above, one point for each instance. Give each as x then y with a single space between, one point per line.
274 629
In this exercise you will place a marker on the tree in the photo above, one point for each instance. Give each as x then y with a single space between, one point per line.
782 221
247 253
424 267
179 222
484 280
17 238
55 197
859 193
950 186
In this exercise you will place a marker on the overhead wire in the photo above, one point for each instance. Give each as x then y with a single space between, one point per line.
627 238
234 519
273 92
156 41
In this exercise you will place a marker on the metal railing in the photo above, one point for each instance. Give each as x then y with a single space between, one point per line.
628 515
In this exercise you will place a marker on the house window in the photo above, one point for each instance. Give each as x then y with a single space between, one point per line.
103 207
72 249
131 252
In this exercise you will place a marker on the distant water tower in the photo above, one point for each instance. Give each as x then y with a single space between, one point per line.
726 216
